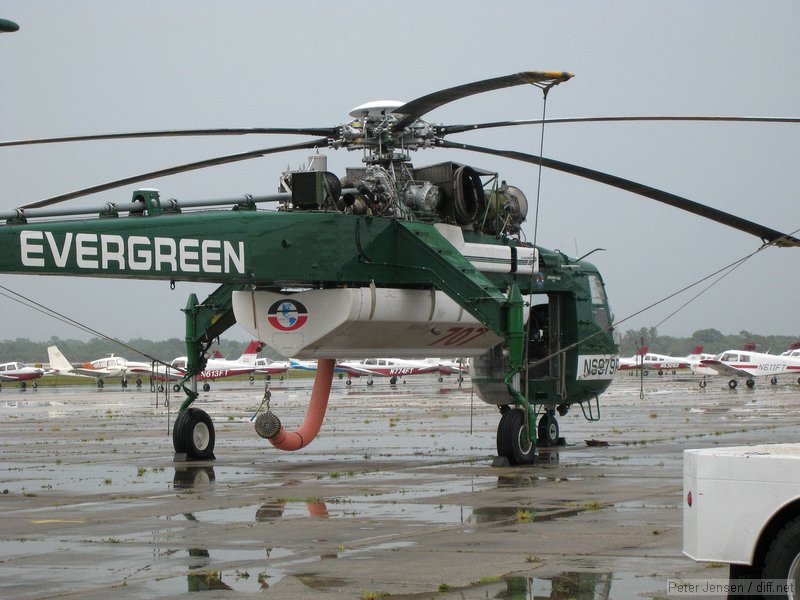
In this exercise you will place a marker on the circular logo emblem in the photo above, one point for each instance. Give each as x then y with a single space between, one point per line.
287 315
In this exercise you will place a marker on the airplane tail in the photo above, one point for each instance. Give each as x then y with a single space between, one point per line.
217 354
58 362
696 351
251 353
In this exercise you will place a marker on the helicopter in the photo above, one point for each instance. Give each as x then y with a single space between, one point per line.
428 260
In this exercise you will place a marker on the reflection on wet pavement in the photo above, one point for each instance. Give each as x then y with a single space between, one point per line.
396 497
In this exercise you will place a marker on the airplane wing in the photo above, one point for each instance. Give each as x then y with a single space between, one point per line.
725 369
9 378
355 371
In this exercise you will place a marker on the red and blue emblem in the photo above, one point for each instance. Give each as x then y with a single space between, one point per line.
287 315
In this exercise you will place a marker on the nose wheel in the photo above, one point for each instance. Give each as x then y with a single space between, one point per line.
547 430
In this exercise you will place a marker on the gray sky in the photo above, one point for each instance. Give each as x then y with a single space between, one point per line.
86 67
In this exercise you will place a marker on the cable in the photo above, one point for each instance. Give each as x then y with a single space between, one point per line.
28 302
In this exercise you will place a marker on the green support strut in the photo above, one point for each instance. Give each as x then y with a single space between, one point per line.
515 334
193 351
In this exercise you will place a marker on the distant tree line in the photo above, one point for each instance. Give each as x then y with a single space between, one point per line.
137 349
629 342
713 342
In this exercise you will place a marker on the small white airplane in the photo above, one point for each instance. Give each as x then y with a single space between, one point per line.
387 367
17 371
216 368
646 360
747 363
269 367
110 366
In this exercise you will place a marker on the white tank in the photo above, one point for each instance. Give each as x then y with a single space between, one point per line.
362 322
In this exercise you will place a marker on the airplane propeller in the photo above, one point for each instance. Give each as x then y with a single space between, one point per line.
409 113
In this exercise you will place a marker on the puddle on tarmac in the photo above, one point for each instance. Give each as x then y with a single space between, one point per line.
575 585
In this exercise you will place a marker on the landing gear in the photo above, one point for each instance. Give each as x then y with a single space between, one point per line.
193 434
732 384
100 384
206 387
547 431
175 388
393 381
513 441
750 383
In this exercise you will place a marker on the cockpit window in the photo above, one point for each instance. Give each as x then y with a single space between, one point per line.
597 291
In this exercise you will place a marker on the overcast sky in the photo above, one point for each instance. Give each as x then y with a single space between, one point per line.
83 67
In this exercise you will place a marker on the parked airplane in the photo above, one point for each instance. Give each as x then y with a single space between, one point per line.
17 371
387 367
110 366
216 368
646 360
269 367
747 363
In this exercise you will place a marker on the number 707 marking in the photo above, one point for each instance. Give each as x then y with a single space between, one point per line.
458 336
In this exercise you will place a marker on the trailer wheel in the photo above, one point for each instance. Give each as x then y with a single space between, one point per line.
512 438
193 433
782 560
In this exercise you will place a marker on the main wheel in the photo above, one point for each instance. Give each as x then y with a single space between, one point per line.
512 438
750 383
782 560
206 387
547 431
732 384
193 433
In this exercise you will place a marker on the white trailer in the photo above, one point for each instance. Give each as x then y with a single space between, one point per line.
742 507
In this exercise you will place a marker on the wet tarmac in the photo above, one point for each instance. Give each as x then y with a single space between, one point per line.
397 497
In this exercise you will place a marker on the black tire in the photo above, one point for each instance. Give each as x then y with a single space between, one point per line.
703 383
732 384
100 384
774 381
547 430
393 381
175 388
206 387
193 434
750 383
348 382
512 438
782 559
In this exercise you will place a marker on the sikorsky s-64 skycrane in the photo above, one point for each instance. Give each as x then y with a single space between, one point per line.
429 261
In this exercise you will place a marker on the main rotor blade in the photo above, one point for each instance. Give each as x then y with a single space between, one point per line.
416 108
449 129
220 160
765 233
323 131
